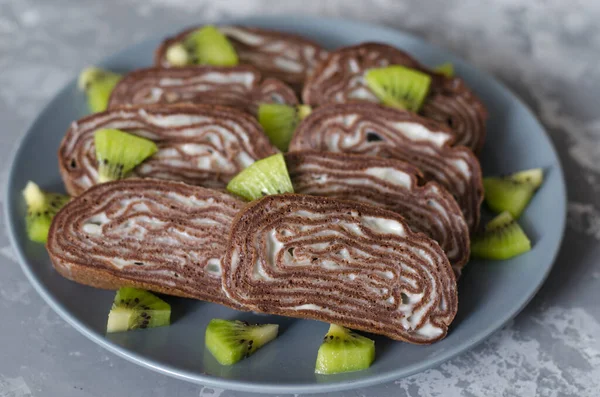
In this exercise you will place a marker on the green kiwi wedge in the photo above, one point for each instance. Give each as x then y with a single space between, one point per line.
98 85
447 69
344 351
503 238
262 178
135 308
279 122
41 208
208 46
118 153
399 86
231 341
512 193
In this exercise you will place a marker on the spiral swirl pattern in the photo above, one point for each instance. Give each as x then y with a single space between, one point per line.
238 87
341 262
339 79
374 130
389 184
198 144
158 235
284 56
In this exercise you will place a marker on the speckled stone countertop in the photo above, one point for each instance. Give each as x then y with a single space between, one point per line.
547 51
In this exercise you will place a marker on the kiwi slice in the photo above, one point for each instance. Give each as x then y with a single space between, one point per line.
135 308
97 84
41 208
178 55
231 341
503 238
512 193
344 351
208 46
262 178
447 69
279 121
118 153
399 86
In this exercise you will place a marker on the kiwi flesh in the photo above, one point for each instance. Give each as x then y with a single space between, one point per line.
503 238
98 85
135 308
512 193
41 208
231 341
399 86
262 178
303 111
447 69
343 350
178 55
118 153
208 46
280 121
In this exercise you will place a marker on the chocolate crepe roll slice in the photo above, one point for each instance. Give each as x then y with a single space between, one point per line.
340 79
342 262
157 235
389 184
240 87
375 130
284 56
197 144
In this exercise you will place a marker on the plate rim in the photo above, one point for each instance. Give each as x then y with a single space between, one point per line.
10 213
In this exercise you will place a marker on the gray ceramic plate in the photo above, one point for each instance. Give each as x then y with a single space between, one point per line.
490 292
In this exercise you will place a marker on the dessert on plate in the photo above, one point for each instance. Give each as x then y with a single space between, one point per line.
198 144
371 129
156 235
284 56
341 262
240 87
386 183
179 186
350 74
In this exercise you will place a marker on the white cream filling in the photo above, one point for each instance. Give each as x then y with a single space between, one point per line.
307 306
391 175
245 79
288 65
418 132
242 35
388 226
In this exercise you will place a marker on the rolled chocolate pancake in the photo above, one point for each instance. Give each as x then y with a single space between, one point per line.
240 87
284 56
156 235
339 79
197 144
386 183
341 262
375 130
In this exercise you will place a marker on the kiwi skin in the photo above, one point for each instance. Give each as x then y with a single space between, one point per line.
231 341
343 350
502 239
